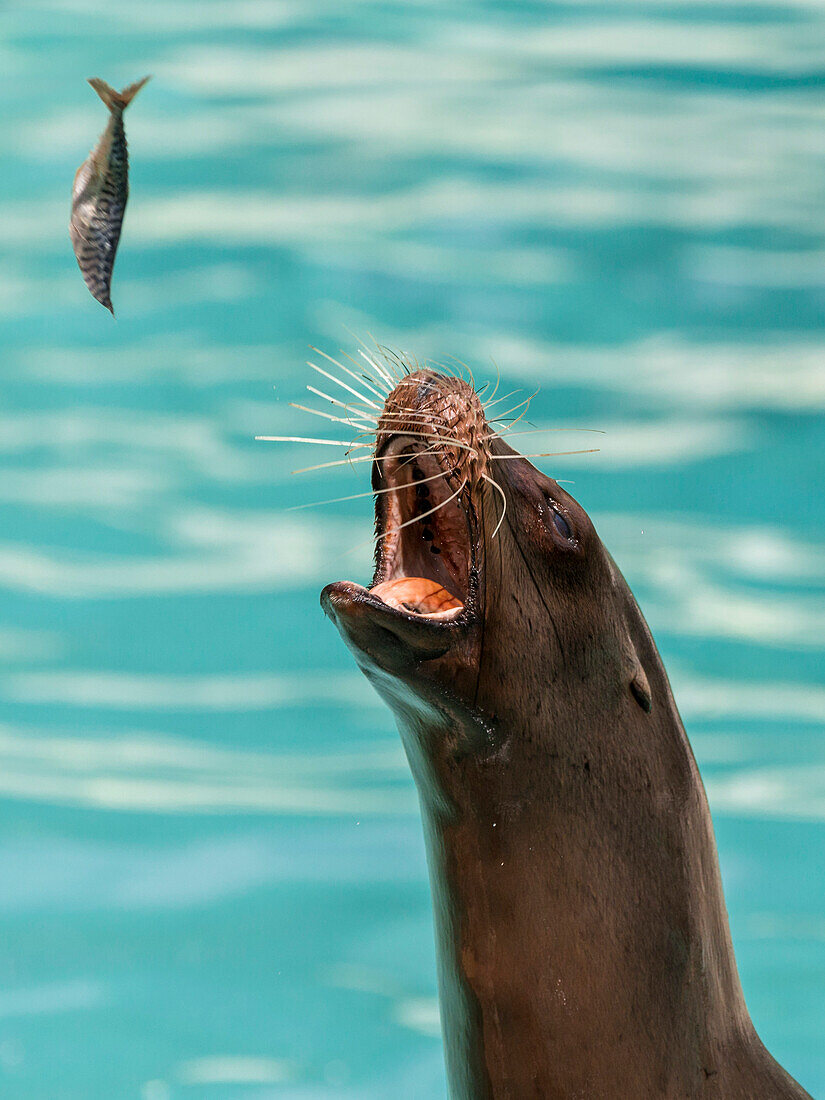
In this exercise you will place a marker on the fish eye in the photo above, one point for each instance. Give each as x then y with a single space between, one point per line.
562 526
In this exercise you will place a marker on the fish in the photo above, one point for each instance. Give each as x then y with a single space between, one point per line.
99 194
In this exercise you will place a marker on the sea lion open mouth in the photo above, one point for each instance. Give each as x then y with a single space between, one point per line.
425 555
429 459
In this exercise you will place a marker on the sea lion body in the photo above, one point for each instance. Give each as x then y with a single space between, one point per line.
582 939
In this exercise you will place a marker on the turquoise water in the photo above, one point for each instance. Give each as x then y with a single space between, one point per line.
212 882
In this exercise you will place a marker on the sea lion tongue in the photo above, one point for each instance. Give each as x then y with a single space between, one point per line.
419 594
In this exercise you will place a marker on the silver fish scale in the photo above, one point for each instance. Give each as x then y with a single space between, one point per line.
100 192
99 236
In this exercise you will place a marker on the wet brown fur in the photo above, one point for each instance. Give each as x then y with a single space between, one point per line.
582 939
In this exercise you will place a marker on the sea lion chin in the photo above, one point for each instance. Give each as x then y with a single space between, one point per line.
582 940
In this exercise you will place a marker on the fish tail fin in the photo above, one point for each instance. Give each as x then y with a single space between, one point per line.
117 101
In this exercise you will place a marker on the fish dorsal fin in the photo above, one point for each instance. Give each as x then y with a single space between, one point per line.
117 101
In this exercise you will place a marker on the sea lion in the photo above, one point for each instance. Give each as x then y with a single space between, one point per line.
581 934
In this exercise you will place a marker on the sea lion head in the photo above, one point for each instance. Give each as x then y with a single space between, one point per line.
494 605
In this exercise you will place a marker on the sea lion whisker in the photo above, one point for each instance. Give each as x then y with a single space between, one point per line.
402 414
409 459
417 383
358 458
344 386
500 491
382 367
470 372
411 366
465 366
545 454
403 363
489 404
372 492
382 371
526 402
366 436
522 415
441 440
506 433
460 373
498 382
410 416
507 420
357 377
381 395
385 379
390 361
328 465
304 439
398 422
342 404
326 415
397 426
429 437
370 378
447 368
385 368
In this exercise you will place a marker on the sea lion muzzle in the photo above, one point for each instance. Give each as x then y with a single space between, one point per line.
424 592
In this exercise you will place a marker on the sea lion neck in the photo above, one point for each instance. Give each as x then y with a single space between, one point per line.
582 939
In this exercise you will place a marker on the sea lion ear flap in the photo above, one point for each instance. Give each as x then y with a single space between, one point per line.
639 686
640 689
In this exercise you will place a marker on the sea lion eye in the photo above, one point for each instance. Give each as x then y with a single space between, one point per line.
562 526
